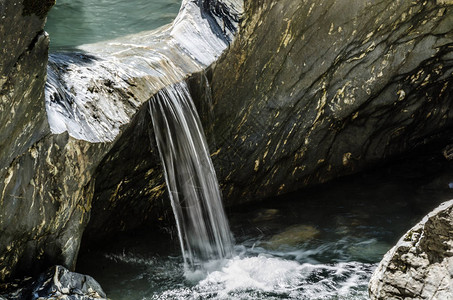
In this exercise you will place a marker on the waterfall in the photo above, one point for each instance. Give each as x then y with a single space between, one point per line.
191 179
96 93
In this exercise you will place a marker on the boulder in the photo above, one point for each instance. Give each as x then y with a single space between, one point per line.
307 92
58 283
420 265
314 90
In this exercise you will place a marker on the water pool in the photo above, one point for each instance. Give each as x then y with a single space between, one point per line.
322 243
71 23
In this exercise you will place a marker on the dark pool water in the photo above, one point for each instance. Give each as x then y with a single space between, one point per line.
321 243
71 23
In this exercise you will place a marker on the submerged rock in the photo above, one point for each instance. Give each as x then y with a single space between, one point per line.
58 283
266 215
420 266
292 236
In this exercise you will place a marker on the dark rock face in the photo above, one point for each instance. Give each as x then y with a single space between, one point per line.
37 7
129 183
46 204
57 283
23 62
23 123
420 265
310 91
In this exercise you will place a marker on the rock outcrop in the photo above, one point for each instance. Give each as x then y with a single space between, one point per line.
23 121
306 93
57 283
420 266
312 90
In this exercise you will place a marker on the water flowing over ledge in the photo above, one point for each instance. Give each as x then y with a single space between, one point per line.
91 97
194 191
88 95
93 93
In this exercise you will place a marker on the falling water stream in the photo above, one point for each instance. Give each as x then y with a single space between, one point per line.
203 229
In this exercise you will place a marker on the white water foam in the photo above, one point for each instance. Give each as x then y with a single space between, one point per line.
265 277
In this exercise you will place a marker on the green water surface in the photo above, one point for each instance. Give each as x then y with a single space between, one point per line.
71 23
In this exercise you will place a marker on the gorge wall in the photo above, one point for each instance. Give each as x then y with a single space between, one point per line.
45 184
307 92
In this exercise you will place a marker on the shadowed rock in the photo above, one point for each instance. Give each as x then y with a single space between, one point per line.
311 91
57 283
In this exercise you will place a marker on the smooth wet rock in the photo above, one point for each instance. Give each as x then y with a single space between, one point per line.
29 228
314 90
58 283
23 60
420 265
309 91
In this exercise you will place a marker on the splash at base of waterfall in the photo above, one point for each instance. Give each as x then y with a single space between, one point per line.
322 243
268 277
253 274
191 180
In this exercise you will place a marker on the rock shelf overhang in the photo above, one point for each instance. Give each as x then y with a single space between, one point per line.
93 93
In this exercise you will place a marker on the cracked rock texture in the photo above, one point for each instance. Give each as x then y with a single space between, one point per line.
420 266
309 91
313 90
45 179
33 219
